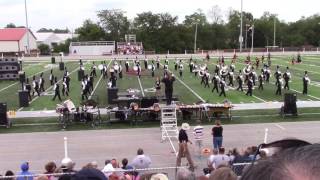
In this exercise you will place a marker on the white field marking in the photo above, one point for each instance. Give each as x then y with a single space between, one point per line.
174 149
299 69
51 87
27 77
188 87
307 94
279 126
98 82
259 98
142 91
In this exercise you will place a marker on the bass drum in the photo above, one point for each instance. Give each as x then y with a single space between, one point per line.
135 68
100 67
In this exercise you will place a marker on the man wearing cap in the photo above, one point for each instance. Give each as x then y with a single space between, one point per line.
183 146
25 174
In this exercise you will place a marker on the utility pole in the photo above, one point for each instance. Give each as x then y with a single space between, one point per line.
274 32
252 37
195 39
27 27
240 36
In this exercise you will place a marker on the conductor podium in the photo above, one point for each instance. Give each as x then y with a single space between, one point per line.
61 66
23 98
112 95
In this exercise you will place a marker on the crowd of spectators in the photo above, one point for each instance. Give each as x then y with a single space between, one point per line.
130 48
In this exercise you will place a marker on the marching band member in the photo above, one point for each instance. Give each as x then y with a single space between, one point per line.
113 80
215 80
139 71
277 74
195 69
257 62
253 75
250 87
120 71
35 86
278 84
105 71
191 66
27 87
127 65
41 83
240 81
152 69
84 86
180 69
65 90
269 59
268 74
299 58
93 72
262 59
166 61
231 77
168 82
56 89
202 75
158 62
51 77
145 63
175 65
260 79
222 87
306 81
158 86
286 77
111 72
206 79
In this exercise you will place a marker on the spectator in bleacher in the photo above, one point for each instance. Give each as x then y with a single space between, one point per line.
185 174
198 136
108 169
141 161
223 173
292 163
9 173
50 168
89 173
183 146
220 159
217 132
25 174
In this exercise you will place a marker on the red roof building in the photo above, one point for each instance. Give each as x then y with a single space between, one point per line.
15 40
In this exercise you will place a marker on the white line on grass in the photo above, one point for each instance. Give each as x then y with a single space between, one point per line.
188 87
259 98
50 88
140 86
307 94
279 126
98 82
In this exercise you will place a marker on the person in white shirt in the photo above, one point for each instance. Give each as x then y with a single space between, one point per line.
141 161
198 137
220 159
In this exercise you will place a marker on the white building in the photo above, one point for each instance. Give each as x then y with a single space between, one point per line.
52 39
15 40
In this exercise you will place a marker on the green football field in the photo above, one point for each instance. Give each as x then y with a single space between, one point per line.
186 88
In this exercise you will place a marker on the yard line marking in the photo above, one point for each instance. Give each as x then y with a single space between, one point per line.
27 77
197 95
259 98
307 94
98 82
51 87
279 126
140 86
299 69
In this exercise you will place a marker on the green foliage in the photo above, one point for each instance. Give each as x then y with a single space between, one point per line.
44 49
10 25
90 31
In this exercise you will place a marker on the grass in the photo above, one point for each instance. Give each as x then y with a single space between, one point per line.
25 125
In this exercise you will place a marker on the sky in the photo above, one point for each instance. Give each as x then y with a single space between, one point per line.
72 13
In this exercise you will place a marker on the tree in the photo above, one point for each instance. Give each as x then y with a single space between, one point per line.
115 23
44 49
197 17
11 25
215 15
90 31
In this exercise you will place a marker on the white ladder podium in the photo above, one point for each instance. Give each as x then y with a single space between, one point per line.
168 123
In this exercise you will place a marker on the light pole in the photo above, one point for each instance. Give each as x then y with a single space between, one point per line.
274 32
245 43
195 38
252 37
240 36
27 26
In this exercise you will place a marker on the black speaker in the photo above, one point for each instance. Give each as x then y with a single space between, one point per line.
80 75
23 99
148 101
290 103
112 94
3 114
61 66
53 60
